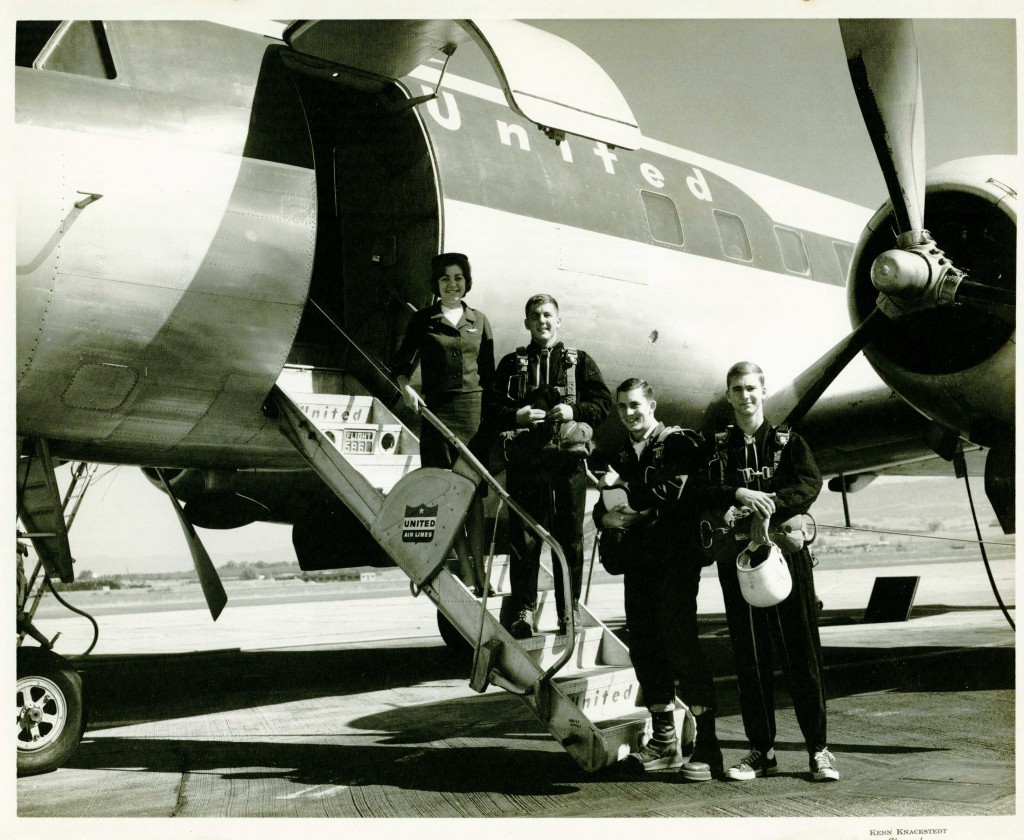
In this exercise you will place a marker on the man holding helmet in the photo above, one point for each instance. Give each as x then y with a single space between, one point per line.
648 536
546 399
761 476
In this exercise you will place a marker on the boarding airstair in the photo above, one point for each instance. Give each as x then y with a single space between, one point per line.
580 684
46 519
41 511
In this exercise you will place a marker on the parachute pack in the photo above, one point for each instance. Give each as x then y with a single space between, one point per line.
790 535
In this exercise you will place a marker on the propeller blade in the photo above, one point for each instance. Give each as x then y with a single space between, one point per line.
882 57
795 400
209 580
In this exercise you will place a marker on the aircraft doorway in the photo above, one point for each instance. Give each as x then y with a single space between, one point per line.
378 222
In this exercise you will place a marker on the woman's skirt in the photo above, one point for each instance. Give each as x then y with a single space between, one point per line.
460 412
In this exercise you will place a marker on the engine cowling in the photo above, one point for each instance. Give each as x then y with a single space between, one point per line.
955 364
325 534
211 497
185 484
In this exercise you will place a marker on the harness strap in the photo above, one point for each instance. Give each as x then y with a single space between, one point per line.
570 357
777 442
519 385
716 469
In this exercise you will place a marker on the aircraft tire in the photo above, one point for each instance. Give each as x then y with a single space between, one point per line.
51 716
452 637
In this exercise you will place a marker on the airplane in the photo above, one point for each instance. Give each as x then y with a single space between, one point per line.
190 232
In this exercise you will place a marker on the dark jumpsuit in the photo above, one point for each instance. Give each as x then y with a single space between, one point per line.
792 624
555 497
662 577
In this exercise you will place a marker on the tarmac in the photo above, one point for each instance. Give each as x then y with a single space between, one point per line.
354 708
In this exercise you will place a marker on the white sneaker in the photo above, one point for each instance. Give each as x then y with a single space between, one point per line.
756 763
823 766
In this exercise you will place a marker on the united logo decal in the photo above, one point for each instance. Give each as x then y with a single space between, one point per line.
419 524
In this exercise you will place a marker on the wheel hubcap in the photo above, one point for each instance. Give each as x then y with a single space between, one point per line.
42 712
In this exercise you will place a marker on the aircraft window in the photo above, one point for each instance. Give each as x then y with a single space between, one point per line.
735 243
30 38
794 255
844 253
662 218
80 47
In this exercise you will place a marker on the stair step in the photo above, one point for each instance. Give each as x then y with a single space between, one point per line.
639 715
384 471
545 616
622 735
500 582
546 648
326 408
604 692
355 423
41 512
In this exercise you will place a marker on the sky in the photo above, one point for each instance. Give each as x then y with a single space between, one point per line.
771 95
775 96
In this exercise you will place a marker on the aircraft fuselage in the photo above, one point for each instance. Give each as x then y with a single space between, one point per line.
153 321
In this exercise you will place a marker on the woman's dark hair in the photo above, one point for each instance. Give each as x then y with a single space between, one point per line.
439 263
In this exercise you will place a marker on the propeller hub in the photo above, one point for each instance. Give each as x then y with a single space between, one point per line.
914 278
914 238
904 274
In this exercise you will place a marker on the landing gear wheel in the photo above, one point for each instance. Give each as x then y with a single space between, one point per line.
51 717
452 637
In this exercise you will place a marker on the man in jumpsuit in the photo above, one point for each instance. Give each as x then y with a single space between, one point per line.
537 389
662 574
767 475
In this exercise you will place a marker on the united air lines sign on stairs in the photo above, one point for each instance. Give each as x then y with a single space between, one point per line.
419 524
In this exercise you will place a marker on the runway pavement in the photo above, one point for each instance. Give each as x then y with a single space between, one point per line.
353 708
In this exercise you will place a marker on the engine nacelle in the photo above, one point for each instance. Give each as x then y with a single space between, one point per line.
185 484
325 534
212 497
955 364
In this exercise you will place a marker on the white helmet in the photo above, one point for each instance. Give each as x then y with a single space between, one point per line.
763 575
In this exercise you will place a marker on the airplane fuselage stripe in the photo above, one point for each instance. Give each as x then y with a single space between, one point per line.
572 107
488 157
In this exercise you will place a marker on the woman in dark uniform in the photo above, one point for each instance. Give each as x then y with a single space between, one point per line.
454 348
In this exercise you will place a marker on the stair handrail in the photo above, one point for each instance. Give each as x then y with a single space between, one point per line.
484 473
531 523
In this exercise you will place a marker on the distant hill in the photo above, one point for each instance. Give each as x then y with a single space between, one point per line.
179 562
928 505
933 505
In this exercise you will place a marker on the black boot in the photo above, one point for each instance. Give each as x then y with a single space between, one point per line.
521 626
577 620
705 763
662 751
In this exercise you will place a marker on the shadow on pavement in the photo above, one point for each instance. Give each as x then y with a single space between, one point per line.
121 690
127 689
478 768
